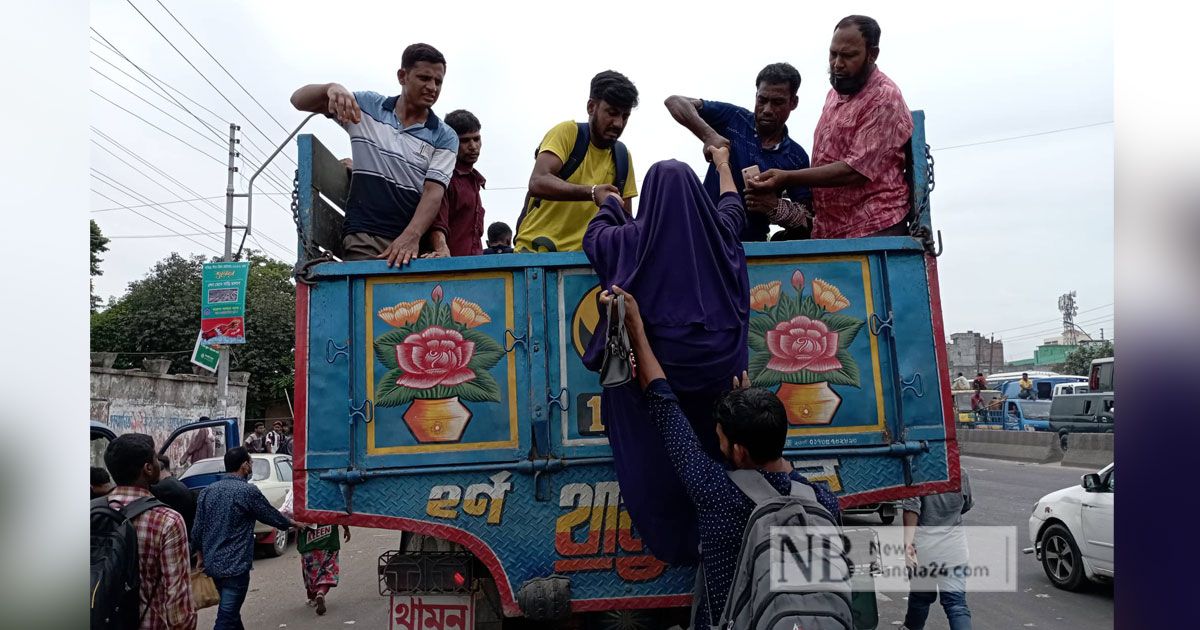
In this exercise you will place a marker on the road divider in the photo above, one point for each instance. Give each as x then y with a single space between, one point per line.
1025 446
1089 450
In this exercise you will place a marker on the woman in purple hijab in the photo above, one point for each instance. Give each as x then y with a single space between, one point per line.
685 256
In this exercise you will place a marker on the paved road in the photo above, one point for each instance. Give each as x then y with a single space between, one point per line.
1004 495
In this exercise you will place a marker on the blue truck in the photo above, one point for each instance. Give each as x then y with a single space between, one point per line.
502 471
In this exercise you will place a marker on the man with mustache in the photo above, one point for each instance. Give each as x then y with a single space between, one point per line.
403 157
459 223
577 166
857 173
759 138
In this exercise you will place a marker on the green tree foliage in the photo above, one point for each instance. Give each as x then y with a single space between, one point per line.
159 317
99 246
1080 361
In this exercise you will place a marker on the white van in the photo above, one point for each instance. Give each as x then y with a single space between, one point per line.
1071 388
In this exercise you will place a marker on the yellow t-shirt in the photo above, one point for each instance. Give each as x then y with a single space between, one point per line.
559 225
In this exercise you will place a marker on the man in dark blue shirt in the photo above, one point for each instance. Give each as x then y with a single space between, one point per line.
759 138
223 533
751 428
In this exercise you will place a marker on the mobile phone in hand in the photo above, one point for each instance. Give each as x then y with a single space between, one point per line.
750 172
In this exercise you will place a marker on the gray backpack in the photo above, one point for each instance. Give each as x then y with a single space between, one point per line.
751 604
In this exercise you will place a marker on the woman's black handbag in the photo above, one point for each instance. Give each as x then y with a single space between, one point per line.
617 368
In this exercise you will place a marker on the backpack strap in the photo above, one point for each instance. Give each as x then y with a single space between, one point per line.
578 151
621 159
570 165
754 485
140 506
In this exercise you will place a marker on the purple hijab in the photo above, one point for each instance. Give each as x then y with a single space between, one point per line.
682 259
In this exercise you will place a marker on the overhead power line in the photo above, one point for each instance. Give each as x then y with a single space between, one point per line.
181 140
248 120
1022 137
221 66
150 219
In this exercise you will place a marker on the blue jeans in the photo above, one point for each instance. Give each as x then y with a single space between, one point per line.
233 592
924 591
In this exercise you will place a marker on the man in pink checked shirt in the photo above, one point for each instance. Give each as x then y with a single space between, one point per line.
857 173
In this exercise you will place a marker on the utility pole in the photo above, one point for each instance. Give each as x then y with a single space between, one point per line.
223 365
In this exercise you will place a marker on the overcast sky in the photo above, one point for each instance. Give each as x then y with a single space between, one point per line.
1023 220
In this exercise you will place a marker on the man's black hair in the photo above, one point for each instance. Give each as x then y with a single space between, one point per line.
126 455
100 476
498 231
235 457
777 73
867 26
164 461
754 418
260 424
420 52
463 121
615 89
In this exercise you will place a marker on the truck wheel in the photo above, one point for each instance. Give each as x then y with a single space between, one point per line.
1061 559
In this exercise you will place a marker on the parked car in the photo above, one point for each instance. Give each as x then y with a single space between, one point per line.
1072 531
1082 413
273 476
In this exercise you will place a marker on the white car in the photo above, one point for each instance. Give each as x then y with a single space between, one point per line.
273 476
1072 531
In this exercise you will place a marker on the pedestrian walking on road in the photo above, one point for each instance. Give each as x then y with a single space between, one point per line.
223 534
319 548
936 554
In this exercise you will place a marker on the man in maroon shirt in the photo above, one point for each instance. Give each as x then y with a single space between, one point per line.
459 223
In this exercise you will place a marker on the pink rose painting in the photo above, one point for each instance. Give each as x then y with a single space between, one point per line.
802 344
434 357
801 338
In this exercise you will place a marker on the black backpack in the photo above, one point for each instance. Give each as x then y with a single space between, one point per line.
578 152
115 579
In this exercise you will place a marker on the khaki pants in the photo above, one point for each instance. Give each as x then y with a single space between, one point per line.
363 246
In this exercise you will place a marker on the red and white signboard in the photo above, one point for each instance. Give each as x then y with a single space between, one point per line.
432 612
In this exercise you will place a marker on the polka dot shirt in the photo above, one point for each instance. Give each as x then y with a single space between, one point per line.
722 509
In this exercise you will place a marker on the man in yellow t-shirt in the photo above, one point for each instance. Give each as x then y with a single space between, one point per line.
1026 392
558 210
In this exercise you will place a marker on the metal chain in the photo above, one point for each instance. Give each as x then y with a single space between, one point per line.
921 232
296 212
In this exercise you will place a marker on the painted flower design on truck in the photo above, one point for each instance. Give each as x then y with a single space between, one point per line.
434 357
801 339
436 352
803 344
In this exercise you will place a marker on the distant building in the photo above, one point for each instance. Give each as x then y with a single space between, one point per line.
970 353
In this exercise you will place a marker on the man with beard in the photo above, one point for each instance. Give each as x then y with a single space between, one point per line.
459 224
576 167
403 156
759 138
857 173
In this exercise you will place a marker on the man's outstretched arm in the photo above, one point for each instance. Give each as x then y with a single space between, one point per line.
331 99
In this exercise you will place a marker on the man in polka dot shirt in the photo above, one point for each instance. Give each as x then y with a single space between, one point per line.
752 429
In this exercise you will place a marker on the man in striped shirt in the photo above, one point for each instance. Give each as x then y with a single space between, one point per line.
403 157
163 562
